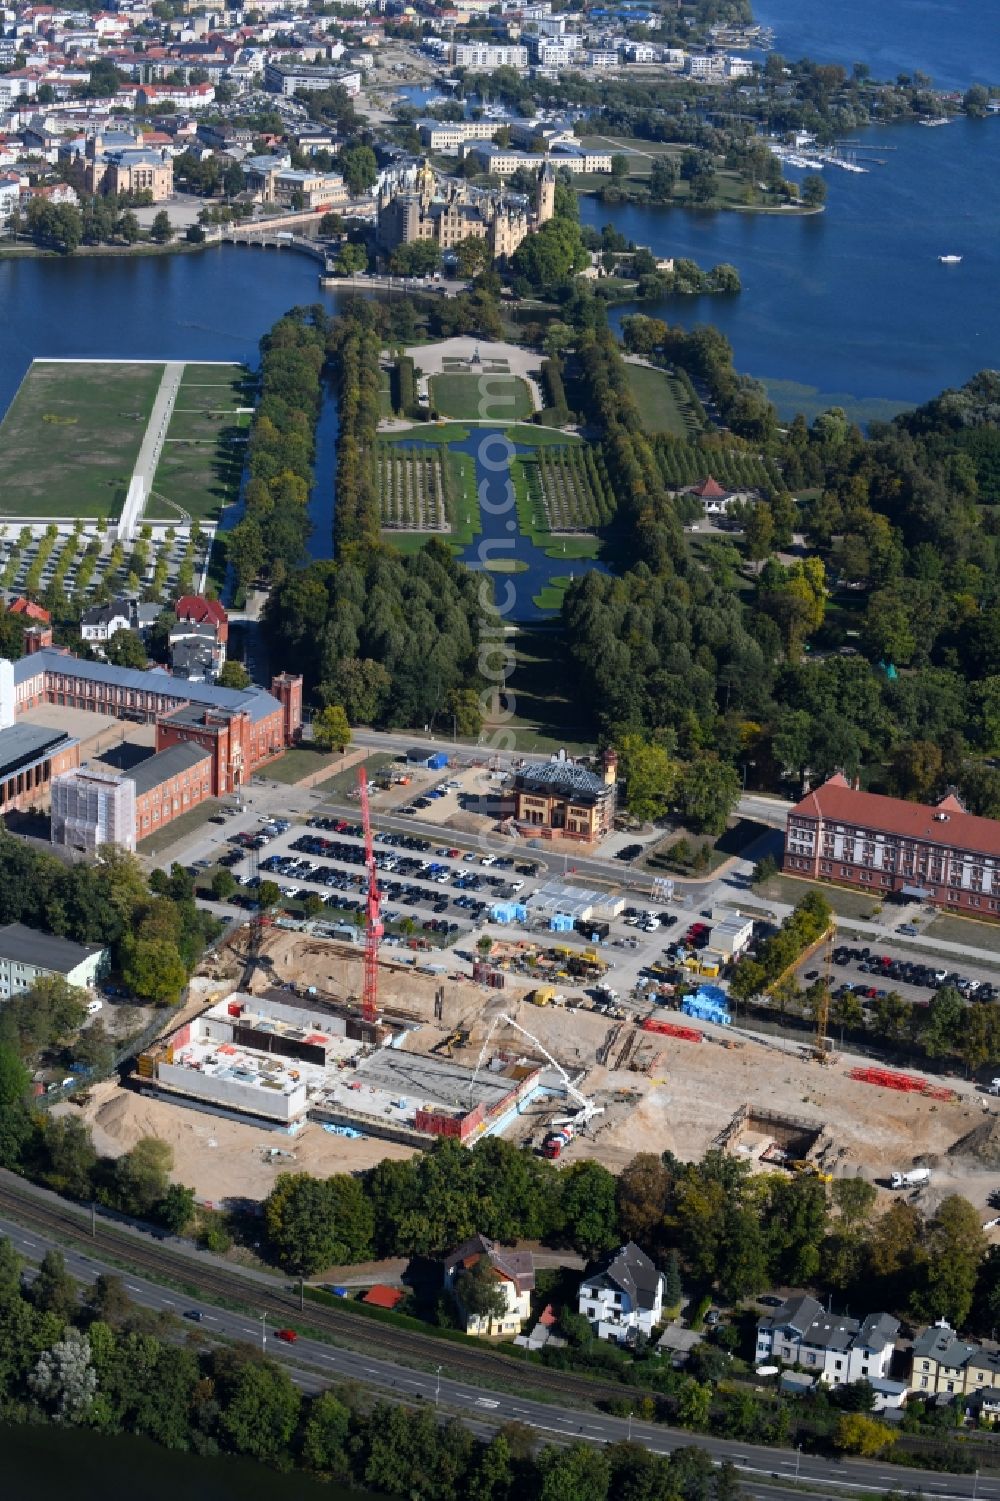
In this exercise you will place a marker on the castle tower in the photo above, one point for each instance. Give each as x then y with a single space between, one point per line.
545 198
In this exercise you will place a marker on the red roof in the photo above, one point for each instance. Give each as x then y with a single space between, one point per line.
709 489
28 608
381 1296
947 824
197 608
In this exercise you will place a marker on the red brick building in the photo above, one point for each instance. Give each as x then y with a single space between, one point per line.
939 854
241 728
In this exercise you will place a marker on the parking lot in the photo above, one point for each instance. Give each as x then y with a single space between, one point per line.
437 885
872 972
444 889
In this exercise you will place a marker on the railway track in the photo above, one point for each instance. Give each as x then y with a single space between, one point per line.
340 1324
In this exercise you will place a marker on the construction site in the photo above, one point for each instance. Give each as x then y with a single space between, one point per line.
299 1048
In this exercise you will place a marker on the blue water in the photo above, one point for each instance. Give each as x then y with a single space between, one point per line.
851 307
957 42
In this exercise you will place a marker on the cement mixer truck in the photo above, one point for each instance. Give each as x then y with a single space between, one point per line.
917 1177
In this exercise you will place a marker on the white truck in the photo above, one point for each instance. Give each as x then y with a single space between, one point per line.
915 1178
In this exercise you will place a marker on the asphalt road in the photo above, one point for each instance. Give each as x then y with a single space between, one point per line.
314 1364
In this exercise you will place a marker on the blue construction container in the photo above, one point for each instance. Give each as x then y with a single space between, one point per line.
708 1004
438 761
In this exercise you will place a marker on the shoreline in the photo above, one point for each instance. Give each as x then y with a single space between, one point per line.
109 252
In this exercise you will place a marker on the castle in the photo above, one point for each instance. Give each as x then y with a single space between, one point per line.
416 205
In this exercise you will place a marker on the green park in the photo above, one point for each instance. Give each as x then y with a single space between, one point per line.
71 437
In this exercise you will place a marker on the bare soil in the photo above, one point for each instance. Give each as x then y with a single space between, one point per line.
677 1096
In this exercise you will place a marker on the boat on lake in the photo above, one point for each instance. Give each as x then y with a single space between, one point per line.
949 260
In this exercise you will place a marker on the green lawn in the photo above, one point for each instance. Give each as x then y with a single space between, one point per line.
410 542
205 426
845 901
949 928
550 597
502 398
301 761
179 828
541 699
538 437
200 478
384 395
346 781
659 401
69 442
428 432
201 463
212 380
582 545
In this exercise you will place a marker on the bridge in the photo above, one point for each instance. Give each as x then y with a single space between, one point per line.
270 239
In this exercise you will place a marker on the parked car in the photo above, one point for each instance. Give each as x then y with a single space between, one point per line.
288 1335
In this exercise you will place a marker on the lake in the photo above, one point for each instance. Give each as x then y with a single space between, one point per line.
851 307
44 1463
956 41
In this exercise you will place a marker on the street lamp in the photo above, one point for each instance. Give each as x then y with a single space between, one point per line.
798 1456
437 1389
630 1425
263 1332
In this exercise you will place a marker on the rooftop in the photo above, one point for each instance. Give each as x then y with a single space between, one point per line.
947 824
166 764
29 946
256 702
566 778
425 1078
21 744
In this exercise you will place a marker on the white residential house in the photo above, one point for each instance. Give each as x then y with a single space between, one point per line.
624 1298
837 1349
514 1272
100 622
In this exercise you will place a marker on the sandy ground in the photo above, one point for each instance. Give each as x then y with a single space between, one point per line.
678 1095
220 1158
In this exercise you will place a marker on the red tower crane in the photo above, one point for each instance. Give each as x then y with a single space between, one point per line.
373 906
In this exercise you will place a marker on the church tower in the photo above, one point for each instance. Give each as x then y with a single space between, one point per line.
545 199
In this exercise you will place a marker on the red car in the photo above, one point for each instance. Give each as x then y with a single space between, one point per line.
288 1335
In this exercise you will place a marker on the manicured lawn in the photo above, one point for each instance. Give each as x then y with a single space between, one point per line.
657 399
200 478
968 930
550 596
428 432
69 442
845 902
179 828
585 545
545 714
385 396
215 386
345 782
201 463
300 761
411 542
528 435
206 426
502 397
